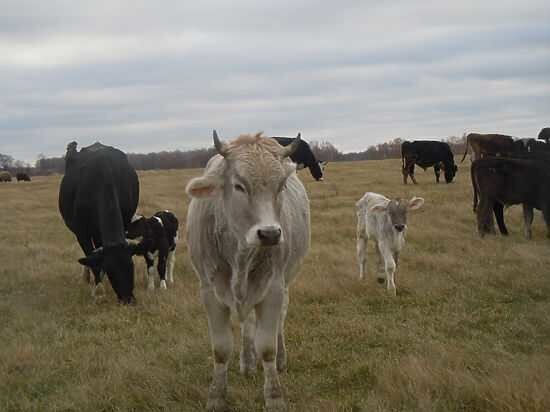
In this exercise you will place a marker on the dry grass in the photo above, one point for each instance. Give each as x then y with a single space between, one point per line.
468 331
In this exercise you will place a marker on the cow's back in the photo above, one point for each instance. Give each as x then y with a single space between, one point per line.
89 174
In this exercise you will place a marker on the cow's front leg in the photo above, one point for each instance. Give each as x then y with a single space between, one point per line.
161 267
150 275
248 354
221 338
268 313
389 265
281 346
437 171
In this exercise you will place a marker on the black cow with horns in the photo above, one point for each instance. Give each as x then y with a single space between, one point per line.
97 198
304 157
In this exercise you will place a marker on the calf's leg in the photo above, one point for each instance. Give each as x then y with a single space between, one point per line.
281 346
389 265
171 264
362 253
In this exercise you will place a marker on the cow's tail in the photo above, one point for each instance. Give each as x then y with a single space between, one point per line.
466 148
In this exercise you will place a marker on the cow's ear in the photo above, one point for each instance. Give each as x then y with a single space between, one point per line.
415 203
205 186
379 208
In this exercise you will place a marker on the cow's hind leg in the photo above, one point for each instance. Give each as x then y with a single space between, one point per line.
268 314
221 337
527 221
485 223
248 354
362 241
161 267
380 277
498 209
150 273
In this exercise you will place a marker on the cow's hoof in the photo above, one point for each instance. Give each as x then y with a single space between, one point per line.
151 286
98 291
216 405
163 284
275 405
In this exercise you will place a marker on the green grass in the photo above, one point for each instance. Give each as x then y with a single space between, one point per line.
469 329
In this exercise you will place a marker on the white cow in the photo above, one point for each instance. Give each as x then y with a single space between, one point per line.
385 221
247 231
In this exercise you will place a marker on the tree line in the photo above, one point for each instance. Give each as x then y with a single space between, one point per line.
323 150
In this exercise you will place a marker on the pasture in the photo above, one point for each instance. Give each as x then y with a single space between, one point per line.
469 329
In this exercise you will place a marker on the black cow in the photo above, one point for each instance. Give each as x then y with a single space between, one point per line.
304 157
97 198
159 235
427 153
23 176
505 181
544 134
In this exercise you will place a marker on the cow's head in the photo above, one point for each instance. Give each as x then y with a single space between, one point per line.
255 173
117 262
449 170
318 170
137 227
397 211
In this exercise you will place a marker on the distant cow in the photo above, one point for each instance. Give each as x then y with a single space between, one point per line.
97 198
304 157
426 153
492 145
247 232
5 176
544 134
385 221
158 236
503 182
23 176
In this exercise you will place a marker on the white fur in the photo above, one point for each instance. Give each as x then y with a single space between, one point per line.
159 220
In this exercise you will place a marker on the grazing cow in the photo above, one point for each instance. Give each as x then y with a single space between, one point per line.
492 145
426 153
158 236
535 146
97 198
385 221
503 182
304 157
247 231
5 176
23 176
544 134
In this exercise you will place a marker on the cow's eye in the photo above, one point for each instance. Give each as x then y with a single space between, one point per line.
239 188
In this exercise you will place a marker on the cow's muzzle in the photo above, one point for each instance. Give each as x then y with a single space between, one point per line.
269 235
399 228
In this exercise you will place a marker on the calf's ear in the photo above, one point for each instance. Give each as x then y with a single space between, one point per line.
205 186
415 203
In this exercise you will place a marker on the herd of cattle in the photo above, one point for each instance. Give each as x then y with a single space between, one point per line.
248 229
5 176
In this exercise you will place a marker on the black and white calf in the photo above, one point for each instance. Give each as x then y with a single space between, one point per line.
157 236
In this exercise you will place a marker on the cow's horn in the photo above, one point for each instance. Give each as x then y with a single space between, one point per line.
291 148
220 147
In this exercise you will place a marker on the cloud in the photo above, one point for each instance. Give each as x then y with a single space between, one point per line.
145 78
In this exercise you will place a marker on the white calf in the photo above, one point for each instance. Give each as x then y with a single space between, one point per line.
384 220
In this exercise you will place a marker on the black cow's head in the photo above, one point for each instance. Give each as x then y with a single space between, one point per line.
317 170
117 262
449 170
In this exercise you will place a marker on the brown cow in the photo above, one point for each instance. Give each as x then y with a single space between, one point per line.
491 144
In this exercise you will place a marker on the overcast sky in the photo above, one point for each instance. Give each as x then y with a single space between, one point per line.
148 76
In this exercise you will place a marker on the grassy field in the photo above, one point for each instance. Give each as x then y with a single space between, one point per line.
469 329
